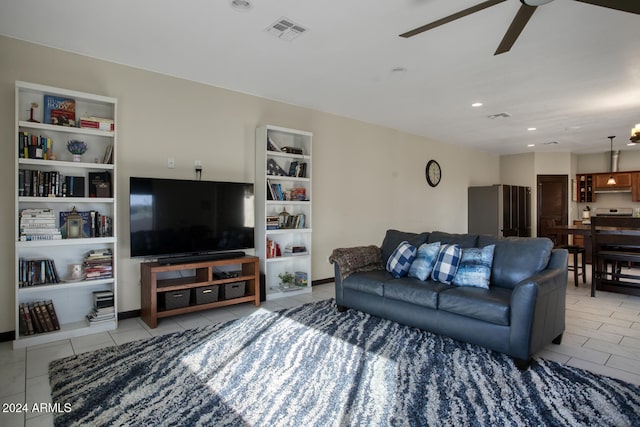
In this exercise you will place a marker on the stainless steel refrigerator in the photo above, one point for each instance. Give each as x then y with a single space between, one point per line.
500 210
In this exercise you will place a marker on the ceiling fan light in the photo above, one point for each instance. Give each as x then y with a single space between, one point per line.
535 2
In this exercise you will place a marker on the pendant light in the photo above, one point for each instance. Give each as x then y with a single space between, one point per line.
611 180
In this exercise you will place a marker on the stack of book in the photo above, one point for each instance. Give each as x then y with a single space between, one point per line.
38 317
38 224
98 264
103 308
290 250
34 272
272 222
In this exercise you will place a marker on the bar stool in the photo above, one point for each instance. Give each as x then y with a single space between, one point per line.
578 270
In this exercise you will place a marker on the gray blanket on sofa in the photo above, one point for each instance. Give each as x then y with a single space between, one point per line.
360 258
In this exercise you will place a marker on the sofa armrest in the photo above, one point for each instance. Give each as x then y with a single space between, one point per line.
538 308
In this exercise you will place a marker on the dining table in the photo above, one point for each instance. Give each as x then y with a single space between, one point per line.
587 231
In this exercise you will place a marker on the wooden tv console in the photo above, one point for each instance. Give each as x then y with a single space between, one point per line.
153 288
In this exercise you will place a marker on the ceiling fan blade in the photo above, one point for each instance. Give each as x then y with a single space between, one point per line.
458 15
516 27
622 5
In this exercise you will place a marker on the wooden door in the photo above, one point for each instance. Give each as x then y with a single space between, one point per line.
552 202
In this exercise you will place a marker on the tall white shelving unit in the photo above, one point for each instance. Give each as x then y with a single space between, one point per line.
268 206
72 300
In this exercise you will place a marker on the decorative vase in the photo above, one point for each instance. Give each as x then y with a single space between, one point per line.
77 157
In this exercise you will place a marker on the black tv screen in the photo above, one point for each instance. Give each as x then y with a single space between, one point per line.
171 217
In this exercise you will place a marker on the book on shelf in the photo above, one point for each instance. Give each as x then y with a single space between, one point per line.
273 249
98 264
100 184
100 123
274 169
38 224
272 146
273 222
35 272
59 111
108 155
295 250
38 317
103 308
94 224
37 183
299 194
292 150
294 221
301 278
34 146
298 169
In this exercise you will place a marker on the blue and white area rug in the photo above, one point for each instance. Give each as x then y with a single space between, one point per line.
313 366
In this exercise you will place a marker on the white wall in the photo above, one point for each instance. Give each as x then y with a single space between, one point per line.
366 178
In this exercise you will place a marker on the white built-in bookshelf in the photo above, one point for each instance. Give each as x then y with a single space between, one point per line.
283 207
48 182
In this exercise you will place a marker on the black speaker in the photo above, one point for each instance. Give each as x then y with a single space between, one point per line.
263 290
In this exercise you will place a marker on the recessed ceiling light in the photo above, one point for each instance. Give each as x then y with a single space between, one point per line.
477 104
531 128
241 5
531 145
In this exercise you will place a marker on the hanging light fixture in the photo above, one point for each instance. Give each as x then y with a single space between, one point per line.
611 180
635 134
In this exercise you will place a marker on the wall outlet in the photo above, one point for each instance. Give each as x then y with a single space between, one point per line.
171 163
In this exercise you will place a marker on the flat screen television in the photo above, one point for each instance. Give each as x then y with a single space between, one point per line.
182 220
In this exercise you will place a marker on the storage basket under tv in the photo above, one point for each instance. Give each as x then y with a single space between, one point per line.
232 290
206 294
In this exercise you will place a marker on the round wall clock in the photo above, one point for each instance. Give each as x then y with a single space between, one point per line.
433 173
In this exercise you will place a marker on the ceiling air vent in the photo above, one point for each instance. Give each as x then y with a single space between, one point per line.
286 29
499 116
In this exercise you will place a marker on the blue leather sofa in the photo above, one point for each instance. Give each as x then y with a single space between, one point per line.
522 311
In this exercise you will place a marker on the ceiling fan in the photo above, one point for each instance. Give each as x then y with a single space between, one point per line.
522 17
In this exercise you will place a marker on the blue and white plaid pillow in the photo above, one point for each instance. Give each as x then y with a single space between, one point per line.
446 264
400 260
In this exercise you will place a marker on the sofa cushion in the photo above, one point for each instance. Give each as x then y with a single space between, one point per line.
475 267
393 238
401 259
490 305
463 240
516 258
414 291
369 282
425 260
446 264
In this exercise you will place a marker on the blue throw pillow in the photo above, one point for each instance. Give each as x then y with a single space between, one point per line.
400 260
425 260
475 267
446 264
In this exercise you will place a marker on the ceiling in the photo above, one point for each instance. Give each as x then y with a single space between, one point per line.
573 74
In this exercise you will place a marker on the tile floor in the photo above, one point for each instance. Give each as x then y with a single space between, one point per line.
602 335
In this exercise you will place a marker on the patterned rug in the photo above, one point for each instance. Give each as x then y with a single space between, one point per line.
312 366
